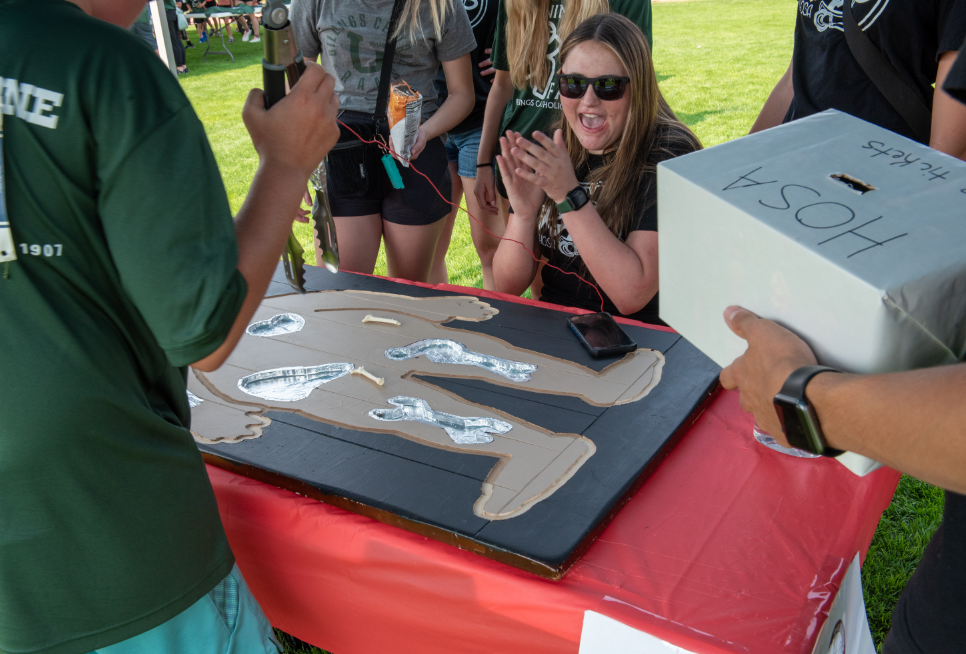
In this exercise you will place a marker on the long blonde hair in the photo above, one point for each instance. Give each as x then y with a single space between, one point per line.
652 133
528 35
410 16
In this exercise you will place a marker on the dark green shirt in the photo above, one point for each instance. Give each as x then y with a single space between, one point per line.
126 272
530 110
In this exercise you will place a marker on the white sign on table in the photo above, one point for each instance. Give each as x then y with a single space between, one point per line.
845 627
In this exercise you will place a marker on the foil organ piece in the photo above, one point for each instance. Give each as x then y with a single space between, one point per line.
193 400
439 350
283 323
291 384
463 431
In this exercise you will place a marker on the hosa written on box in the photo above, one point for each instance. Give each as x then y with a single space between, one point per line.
844 232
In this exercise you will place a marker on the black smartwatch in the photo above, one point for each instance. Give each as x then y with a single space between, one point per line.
797 416
574 200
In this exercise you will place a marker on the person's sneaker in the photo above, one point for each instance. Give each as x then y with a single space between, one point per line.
256 40
204 37
247 35
231 39
190 45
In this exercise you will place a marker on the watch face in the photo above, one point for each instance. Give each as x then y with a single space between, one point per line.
794 417
578 198
574 200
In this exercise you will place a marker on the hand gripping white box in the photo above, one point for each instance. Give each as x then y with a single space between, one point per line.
848 234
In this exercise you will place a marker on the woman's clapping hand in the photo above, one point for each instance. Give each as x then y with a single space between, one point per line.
525 196
546 164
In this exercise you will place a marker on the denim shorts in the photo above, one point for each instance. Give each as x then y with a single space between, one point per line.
462 148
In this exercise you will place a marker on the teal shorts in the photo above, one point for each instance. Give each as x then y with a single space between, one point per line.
228 620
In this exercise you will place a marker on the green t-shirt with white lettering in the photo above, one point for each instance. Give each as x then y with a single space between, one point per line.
530 110
125 273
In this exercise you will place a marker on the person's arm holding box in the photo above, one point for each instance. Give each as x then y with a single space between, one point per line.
912 421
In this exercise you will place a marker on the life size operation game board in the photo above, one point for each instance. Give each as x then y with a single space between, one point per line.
478 422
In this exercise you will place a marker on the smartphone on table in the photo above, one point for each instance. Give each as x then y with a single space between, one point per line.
601 335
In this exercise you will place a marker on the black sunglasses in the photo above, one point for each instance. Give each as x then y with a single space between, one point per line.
608 87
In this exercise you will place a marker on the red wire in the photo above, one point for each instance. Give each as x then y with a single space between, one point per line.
448 201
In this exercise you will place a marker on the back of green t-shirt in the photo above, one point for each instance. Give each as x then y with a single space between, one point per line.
125 273
530 110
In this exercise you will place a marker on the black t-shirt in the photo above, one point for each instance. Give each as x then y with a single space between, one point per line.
567 290
482 15
911 33
929 615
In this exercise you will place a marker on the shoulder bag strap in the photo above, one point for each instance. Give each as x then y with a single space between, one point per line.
885 77
382 101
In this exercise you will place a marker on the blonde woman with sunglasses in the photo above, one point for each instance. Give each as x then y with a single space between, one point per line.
524 95
586 199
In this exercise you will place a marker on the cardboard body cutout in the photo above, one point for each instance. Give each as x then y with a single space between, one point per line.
533 462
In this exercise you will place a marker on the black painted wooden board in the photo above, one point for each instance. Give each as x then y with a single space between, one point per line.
515 323
434 488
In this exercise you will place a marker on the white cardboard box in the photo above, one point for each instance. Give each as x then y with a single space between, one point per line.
874 281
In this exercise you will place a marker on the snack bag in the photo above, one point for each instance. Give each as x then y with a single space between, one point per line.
405 107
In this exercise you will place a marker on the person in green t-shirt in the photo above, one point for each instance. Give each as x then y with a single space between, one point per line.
142 27
126 272
524 97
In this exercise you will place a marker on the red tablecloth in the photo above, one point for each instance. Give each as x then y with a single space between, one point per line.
728 547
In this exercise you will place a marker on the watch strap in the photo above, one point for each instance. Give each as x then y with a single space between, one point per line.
798 418
575 200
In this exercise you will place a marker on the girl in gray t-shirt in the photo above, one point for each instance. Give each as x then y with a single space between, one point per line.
350 37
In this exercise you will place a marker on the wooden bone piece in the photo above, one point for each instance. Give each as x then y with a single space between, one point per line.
378 381
387 321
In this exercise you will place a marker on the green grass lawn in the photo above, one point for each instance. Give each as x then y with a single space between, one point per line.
717 60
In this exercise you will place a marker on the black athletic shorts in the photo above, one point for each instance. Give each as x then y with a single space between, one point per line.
416 204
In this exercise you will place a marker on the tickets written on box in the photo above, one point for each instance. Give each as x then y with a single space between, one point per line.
848 234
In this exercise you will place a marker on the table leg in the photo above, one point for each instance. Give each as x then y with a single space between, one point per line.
219 30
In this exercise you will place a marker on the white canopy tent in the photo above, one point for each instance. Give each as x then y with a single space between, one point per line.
159 20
